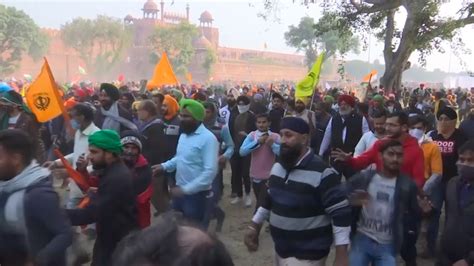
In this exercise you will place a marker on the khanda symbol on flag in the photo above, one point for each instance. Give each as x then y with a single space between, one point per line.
42 101
305 87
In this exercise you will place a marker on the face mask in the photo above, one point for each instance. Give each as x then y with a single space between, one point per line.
243 108
75 124
465 171
416 133
390 109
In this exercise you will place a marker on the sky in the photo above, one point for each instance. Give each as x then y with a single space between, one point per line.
238 22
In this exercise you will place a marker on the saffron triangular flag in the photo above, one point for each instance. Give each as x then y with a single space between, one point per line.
163 74
369 77
43 97
305 87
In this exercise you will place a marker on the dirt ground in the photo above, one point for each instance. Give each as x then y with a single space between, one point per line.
235 226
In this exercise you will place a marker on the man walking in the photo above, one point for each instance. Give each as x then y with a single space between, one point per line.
305 205
113 209
34 230
195 164
112 115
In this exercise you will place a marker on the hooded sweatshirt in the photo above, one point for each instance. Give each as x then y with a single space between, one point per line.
413 162
32 224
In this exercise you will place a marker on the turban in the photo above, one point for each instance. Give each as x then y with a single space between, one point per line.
12 97
347 99
131 137
4 87
110 90
135 105
69 103
449 112
378 98
173 107
304 100
194 107
107 140
258 97
177 94
328 99
234 92
295 124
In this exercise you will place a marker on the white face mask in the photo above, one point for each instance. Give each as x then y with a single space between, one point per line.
243 108
416 133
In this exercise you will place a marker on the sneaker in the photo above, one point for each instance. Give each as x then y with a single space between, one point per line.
235 200
248 201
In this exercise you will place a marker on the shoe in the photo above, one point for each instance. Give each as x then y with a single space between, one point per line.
235 200
248 201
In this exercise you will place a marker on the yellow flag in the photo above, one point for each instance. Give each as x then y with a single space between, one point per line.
163 74
42 96
305 87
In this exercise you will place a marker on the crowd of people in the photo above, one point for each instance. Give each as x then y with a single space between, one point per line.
144 175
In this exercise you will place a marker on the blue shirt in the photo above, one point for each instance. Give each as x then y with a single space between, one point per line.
195 161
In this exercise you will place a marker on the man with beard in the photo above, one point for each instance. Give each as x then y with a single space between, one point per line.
33 229
383 200
457 242
230 110
241 126
195 164
369 138
277 112
169 111
302 111
396 127
449 139
141 173
126 100
302 228
344 132
113 208
112 115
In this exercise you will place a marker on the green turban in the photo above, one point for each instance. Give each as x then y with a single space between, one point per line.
194 107
107 140
177 94
378 98
328 99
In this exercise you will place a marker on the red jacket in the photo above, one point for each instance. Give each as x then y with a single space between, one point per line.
413 162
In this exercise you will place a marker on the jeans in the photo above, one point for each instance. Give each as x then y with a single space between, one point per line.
213 211
194 207
437 198
240 172
365 251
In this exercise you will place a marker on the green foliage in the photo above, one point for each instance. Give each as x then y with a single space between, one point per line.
99 42
327 34
209 60
19 35
177 42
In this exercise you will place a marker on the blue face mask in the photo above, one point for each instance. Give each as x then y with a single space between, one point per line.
75 124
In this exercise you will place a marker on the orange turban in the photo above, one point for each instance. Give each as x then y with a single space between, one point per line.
173 107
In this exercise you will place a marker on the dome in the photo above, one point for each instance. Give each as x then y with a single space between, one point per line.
206 17
150 5
202 43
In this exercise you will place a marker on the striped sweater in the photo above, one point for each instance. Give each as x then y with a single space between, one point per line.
305 205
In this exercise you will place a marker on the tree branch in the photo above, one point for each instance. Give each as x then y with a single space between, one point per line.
376 7
390 28
447 26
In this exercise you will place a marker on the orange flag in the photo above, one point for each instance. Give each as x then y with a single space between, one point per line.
163 74
43 97
369 77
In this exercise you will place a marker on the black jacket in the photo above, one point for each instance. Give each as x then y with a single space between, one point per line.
154 142
113 209
407 213
457 241
48 230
